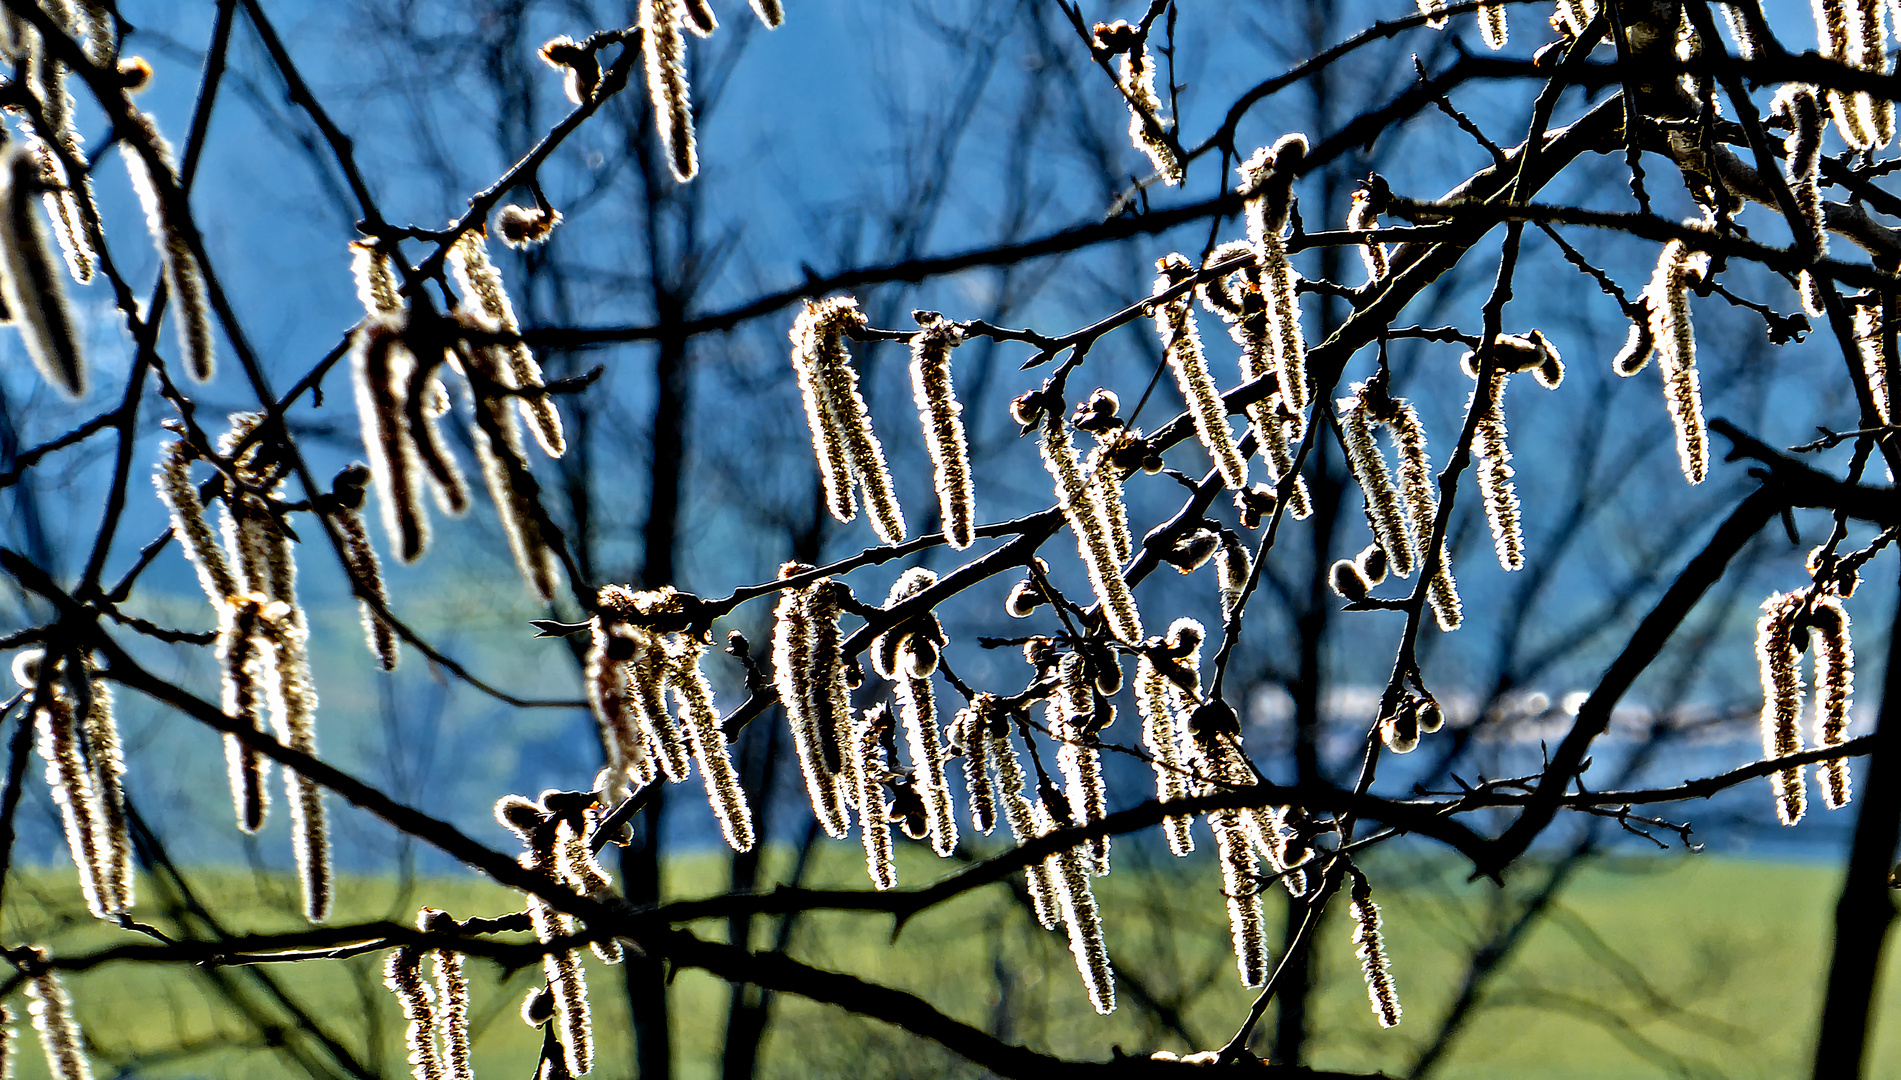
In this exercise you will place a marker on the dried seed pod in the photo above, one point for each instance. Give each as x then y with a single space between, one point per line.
1782 699
1669 298
1181 341
1082 506
1018 811
707 741
52 1012
665 54
483 293
184 279
943 422
1383 508
869 734
1493 29
770 12
1371 947
1495 472
34 294
1834 689
402 973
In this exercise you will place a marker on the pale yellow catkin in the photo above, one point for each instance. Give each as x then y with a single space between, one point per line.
868 743
805 690
9 1042
381 366
1798 106
34 293
664 51
1137 75
1362 216
293 702
1782 700
847 448
1081 917
1837 40
1670 327
1082 506
917 711
1021 816
51 139
1106 476
1181 342
1834 694
1740 30
1495 472
972 725
367 571
402 973
511 485
1250 326
567 980
107 759
1383 507
943 422
240 655
1576 14
1869 343
451 1012
184 279
1163 742
52 1012
1370 946
70 782
1267 180
1071 720
1493 29
480 284
704 737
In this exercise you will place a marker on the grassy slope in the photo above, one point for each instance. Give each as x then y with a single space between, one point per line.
1651 967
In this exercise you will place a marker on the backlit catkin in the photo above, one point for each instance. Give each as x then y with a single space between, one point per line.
381 366
184 279
1364 215
1495 472
1162 703
293 703
1834 692
53 1019
512 487
1082 918
1383 507
452 999
30 284
917 711
664 51
1267 180
1576 14
402 973
70 782
1493 29
943 421
1021 815
810 681
770 12
1434 10
847 448
1082 506
973 725
366 572
1136 75
868 737
1668 295
1782 699
1181 342
701 726
1740 30
1370 945
106 756
1072 722
481 286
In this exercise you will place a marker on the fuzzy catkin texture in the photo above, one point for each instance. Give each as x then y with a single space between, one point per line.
1782 694
1370 945
943 420
376 284
1181 341
1107 479
1159 737
71 782
193 533
664 51
480 284
1267 179
30 284
1740 31
402 973
1668 295
868 741
1869 338
241 657
1072 712
1018 811
1834 694
707 742
293 702
972 726
1493 29
452 1015
1246 922
1373 255
107 759
1577 14
190 310
1383 508
1495 473
1434 10
1836 40
60 1037
1082 918
367 570
805 689
1416 483
381 366
1137 76
917 709
770 12
1082 506
847 448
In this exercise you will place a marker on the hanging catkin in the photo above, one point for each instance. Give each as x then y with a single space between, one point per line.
1834 691
452 998
1267 180
1136 76
1782 699
52 1011
1081 917
701 726
402 973
869 732
31 286
1021 815
1073 723
1370 945
1181 342
943 422
847 448
480 283
810 681
1383 507
1082 506
665 53
184 279
1668 296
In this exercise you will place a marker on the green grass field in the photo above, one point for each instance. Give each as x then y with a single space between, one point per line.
1667 966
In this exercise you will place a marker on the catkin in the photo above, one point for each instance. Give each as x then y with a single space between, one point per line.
847 448
1495 472
184 279
943 421
1740 30
770 12
1154 699
567 981
868 735
1233 567
480 283
366 573
1668 295
665 53
114 843
1267 180
381 365
1383 507
1072 722
402 973
917 710
1106 477
1364 214
1370 945
1246 921
972 726
1577 14
58 1029
704 737
809 690
1250 327
1836 42
1082 506
1782 699
240 654
452 1001
293 704
67 198
511 486
1081 917
1434 11
31 286
1492 26
9 1042
71 783
1136 73
1834 690
1017 810
1181 341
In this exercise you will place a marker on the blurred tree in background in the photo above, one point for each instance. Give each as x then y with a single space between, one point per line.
461 332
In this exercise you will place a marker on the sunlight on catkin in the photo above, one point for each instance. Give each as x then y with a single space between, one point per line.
943 422
1782 694
1834 693
1082 506
1181 342
59 1032
31 286
1668 296
184 280
1370 945
402 973
665 53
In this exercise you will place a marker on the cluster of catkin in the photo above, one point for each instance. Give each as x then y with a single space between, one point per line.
397 362
85 770
663 25
1511 354
1402 516
1267 180
1669 335
554 832
1855 32
251 580
848 451
1799 107
1245 299
643 648
1792 623
438 1009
